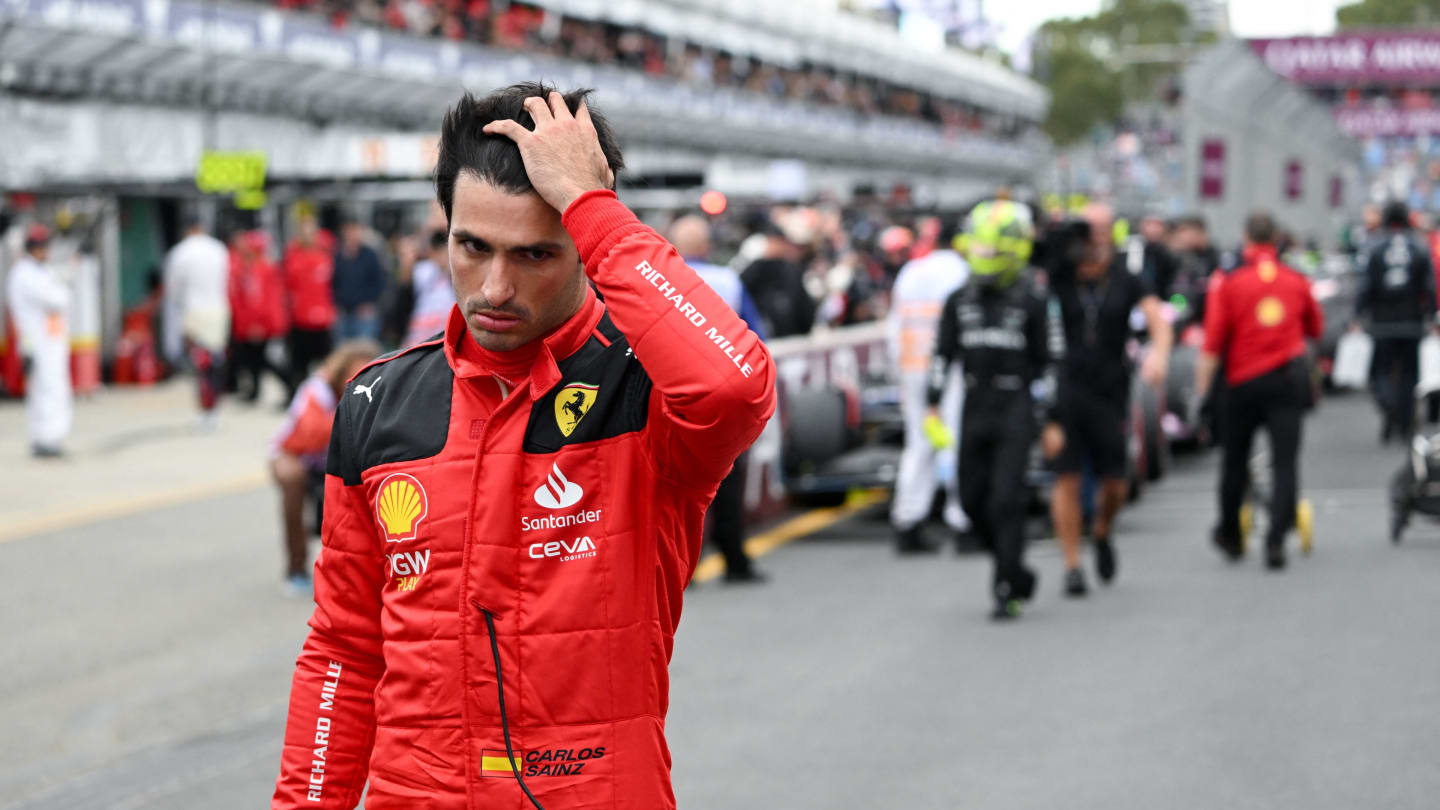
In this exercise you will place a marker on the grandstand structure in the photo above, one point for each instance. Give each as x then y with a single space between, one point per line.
112 103
326 99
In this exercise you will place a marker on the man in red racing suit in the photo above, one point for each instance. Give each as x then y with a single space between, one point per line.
513 507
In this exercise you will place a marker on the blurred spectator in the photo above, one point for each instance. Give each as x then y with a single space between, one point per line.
39 302
776 282
399 300
359 282
309 267
921 289
197 293
257 312
1195 260
1095 292
1370 223
434 295
297 453
137 355
1397 297
895 244
726 516
1155 260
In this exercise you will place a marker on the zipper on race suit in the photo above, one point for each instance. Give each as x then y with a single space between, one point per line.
500 692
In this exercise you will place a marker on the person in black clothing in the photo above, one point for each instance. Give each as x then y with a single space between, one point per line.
1094 291
1195 260
1148 254
359 282
1397 296
776 283
995 327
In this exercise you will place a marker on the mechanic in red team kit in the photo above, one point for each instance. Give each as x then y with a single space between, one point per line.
1257 319
513 507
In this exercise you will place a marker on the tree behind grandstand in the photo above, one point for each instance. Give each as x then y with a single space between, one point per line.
1374 13
1094 66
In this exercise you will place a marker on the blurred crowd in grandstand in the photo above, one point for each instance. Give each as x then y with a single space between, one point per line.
522 27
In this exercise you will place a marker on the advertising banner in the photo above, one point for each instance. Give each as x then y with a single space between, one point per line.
1399 57
1370 122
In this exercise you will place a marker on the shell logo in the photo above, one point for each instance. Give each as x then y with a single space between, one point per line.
401 506
1269 312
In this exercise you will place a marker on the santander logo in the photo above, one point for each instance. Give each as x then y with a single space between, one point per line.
558 492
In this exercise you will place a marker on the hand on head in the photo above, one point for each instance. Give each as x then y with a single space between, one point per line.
562 154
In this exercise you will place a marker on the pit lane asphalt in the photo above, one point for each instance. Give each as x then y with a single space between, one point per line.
147 661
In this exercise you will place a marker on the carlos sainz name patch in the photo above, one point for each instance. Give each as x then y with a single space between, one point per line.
531 764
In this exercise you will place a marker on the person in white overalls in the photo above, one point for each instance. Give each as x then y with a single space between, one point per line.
40 303
197 299
917 298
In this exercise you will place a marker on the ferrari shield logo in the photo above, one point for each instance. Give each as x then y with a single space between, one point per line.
572 403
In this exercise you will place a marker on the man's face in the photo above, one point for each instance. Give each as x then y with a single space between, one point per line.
1186 237
307 231
1102 243
516 272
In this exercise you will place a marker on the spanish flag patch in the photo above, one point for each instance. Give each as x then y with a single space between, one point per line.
495 763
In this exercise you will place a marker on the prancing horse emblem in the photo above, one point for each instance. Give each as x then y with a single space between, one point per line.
572 403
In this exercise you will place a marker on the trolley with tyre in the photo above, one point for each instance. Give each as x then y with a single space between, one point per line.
1257 505
1415 487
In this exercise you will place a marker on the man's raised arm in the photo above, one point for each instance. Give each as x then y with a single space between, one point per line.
711 370
714 377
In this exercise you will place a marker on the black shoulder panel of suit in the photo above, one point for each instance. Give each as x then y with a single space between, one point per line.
603 392
397 409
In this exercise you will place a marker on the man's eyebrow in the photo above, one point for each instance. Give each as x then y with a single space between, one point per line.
548 247
461 235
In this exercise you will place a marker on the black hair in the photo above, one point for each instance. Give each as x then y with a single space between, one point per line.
464 146
438 239
1260 228
1395 215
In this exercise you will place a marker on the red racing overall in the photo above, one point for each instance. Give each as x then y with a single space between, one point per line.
566 510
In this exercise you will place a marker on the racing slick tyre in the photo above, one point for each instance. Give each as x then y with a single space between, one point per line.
1157 447
817 429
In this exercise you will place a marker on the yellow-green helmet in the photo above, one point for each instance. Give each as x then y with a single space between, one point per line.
997 240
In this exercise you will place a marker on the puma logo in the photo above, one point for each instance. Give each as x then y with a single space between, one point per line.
368 389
